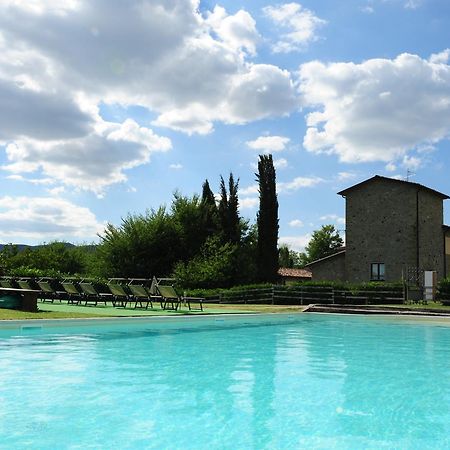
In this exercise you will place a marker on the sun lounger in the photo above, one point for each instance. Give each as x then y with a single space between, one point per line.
48 293
71 293
5 283
91 295
25 284
120 296
170 297
142 295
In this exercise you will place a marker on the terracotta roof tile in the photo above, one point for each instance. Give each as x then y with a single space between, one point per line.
294 273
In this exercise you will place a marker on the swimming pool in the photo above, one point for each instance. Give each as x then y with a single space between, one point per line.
306 381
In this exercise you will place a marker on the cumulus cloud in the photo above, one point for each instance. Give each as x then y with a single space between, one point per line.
300 24
46 218
298 183
91 162
280 163
296 223
269 144
175 166
190 68
238 31
377 110
248 202
333 218
249 190
297 243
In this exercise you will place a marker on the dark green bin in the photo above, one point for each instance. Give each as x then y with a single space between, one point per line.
9 301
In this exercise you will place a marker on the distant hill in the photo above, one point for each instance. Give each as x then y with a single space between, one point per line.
24 246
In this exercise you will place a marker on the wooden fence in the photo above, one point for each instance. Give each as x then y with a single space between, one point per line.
304 295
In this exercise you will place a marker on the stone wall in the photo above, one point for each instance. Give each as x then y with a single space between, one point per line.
447 252
384 222
331 268
431 246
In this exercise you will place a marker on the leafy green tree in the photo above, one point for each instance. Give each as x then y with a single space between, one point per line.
267 220
213 267
52 257
187 216
324 242
142 245
285 257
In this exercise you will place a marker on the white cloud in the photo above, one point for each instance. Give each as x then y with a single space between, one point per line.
92 162
412 4
296 223
280 163
269 144
411 162
248 202
391 167
298 183
345 176
333 218
300 24
368 9
190 68
377 110
253 189
45 218
297 243
238 31
176 166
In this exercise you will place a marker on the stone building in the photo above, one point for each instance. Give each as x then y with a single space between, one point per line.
390 224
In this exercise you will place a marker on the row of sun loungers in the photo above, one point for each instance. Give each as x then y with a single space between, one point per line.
119 294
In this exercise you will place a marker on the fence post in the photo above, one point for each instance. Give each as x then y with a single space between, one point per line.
301 295
273 294
332 295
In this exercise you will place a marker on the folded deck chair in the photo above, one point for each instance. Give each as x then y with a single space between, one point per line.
24 284
142 295
6 283
170 296
91 295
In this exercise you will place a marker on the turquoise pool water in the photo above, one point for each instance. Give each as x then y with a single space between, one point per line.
311 381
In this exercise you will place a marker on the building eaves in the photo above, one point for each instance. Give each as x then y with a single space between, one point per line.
393 180
325 258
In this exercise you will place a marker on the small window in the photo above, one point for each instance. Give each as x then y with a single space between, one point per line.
377 272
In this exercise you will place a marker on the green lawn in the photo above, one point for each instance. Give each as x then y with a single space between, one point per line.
65 311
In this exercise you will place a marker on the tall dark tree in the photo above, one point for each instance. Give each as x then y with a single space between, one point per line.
228 211
234 221
209 210
267 220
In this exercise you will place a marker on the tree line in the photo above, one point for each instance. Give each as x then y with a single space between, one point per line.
201 241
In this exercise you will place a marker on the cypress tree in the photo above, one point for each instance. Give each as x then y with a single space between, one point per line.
234 223
209 210
228 211
267 220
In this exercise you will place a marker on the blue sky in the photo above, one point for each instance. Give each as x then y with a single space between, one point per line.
108 107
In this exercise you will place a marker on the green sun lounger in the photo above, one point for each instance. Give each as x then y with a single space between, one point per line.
143 296
170 297
91 295
48 293
71 293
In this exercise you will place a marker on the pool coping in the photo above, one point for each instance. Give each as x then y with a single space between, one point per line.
89 321
374 310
